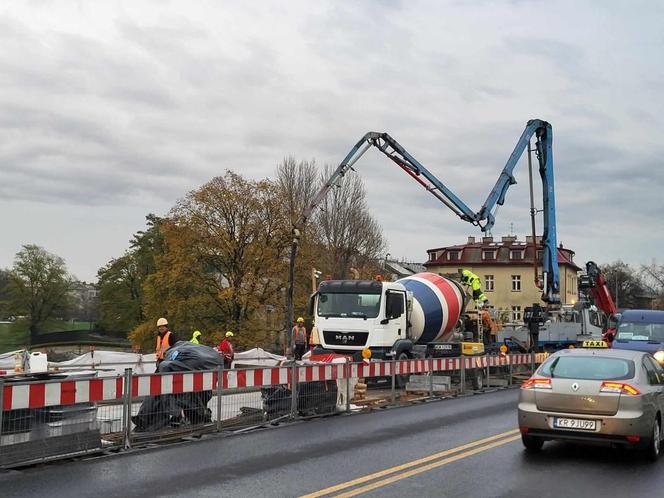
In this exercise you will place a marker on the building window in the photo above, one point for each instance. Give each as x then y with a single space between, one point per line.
516 313
453 255
488 283
490 254
516 283
540 254
516 254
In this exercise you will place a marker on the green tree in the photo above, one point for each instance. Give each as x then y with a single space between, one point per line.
624 283
39 286
224 263
4 293
121 300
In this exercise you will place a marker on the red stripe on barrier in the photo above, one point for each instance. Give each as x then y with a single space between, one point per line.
155 385
68 393
198 382
274 376
37 395
241 378
119 387
178 383
258 377
7 398
134 387
96 390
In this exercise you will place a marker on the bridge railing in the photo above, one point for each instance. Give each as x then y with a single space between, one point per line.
43 420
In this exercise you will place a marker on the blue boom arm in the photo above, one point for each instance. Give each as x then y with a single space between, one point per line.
483 218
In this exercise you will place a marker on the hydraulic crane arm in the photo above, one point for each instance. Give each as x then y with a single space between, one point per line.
482 218
599 290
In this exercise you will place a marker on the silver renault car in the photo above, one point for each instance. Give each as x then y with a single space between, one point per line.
594 395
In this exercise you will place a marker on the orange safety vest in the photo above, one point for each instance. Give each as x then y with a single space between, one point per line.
299 335
162 345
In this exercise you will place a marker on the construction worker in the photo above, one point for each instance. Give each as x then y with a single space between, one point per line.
195 336
299 338
488 324
474 282
165 339
226 349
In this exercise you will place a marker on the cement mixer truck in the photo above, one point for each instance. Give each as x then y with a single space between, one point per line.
415 317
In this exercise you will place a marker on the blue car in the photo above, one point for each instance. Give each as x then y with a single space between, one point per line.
641 330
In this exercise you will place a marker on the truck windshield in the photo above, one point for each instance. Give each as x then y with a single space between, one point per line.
641 332
348 305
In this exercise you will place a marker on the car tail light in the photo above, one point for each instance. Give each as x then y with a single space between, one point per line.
618 388
536 383
633 439
524 430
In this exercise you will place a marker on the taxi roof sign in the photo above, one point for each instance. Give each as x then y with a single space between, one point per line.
594 344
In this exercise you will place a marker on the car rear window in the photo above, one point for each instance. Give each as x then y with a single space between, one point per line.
588 368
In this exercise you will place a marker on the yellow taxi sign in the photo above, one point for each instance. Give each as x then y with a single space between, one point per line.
503 348
595 344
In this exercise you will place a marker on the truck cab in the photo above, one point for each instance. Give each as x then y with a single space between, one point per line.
351 315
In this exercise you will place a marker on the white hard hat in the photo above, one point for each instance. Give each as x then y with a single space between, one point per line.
162 321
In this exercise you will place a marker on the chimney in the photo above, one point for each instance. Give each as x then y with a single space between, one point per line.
487 240
529 239
508 239
471 239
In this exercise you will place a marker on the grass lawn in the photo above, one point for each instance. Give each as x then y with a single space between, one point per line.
15 335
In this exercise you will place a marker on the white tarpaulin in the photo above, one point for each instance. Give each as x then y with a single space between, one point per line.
258 357
110 362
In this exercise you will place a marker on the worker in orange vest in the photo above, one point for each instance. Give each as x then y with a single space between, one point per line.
299 338
165 340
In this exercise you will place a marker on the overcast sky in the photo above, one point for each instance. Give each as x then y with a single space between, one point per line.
112 110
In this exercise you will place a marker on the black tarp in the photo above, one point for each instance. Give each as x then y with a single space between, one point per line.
313 398
172 410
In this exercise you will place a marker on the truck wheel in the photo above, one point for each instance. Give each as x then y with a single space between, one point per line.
654 442
401 380
478 379
532 443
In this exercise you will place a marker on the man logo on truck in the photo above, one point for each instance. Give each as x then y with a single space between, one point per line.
344 338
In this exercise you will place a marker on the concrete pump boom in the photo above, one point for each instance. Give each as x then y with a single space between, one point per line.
483 218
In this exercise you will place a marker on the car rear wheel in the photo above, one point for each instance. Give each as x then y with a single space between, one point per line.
654 444
532 443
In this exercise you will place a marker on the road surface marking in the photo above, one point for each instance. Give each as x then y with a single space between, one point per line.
407 465
419 470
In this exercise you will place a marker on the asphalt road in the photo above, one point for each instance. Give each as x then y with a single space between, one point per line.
458 447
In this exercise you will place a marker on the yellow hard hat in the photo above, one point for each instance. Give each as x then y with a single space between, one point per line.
300 319
161 322
229 334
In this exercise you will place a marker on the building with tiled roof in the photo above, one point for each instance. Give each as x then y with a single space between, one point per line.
506 268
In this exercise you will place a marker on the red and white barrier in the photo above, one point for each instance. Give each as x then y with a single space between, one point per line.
175 383
68 392
39 395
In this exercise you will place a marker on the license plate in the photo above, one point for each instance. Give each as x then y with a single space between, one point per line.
443 346
575 423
